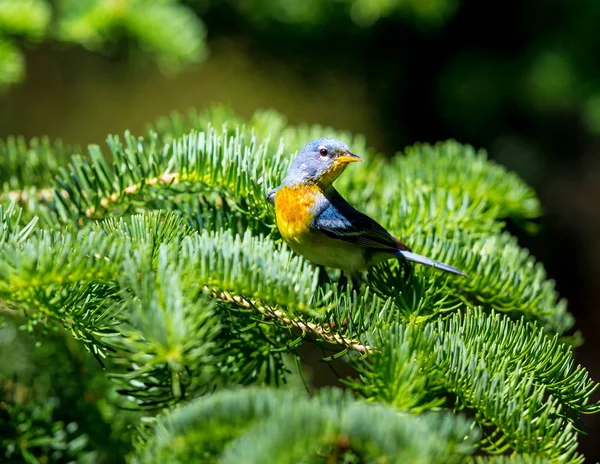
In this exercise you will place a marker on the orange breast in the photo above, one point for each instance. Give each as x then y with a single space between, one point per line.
293 211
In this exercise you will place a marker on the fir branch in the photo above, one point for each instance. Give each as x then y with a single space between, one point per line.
513 459
34 163
250 266
89 286
448 185
494 367
206 295
248 426
167 345
264 125
197 163
502 276
11 228
506 278
461 168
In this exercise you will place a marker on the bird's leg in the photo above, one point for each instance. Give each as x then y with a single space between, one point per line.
343 280
323 276
356 281
406 268
408 272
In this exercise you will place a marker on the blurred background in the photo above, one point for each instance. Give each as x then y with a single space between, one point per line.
518 78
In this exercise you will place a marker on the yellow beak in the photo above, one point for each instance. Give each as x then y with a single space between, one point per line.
348 158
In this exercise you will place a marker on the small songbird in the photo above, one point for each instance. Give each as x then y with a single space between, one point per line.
319 224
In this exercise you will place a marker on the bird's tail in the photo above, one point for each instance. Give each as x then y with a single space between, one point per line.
429 262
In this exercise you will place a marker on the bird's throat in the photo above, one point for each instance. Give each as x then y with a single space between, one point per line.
329 176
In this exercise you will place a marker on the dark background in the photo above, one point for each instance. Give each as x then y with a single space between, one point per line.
518 78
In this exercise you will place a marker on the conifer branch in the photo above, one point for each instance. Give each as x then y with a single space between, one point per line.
205 296
251 423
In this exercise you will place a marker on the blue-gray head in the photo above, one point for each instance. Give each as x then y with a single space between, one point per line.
320 162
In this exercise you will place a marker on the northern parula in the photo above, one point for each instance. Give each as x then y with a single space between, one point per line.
319 224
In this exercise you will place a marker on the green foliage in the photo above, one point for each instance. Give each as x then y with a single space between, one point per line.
11 228
37 435
53 406
168 31
482 361
19 19
429 14
513 459
12 67
164 30
230 426
31 164
24 18
161 257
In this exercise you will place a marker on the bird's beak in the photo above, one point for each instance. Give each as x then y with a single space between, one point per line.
349 158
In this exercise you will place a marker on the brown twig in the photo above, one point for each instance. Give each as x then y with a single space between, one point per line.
309 328
22 196
166 178
6 311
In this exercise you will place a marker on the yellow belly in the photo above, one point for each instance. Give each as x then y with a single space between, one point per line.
329 252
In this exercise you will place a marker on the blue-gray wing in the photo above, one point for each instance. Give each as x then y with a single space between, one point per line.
339 220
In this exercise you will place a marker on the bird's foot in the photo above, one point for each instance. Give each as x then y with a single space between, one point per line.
355 281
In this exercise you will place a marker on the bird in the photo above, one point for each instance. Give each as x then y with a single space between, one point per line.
320 225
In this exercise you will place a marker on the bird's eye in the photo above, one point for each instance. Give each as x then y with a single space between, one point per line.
323 151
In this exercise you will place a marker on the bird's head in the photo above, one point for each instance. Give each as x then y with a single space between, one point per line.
320 162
